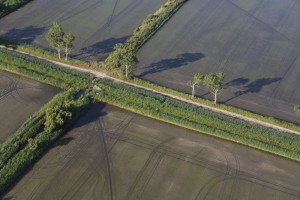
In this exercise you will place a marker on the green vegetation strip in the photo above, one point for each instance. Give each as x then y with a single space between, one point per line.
144 32
190 116
42 70
225 107
8 6
38 133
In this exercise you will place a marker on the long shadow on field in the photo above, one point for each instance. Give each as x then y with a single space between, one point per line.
92 115
103 48
171 63
25 35
252 87
63 141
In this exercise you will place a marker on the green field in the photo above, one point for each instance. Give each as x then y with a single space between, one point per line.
114 154
97 25
19 99
255 43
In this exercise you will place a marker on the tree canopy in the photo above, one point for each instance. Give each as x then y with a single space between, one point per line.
55 37
214 83
195 82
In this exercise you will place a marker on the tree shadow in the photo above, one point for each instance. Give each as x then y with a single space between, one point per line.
179 61
101 49
63 141
92 115
252 87
26 35
237 82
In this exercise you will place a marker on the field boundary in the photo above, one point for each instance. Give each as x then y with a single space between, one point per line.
103 75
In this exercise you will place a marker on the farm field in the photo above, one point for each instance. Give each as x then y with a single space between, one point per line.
114 154
255 43
19 99
97 25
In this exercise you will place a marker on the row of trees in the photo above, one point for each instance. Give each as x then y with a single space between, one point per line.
213 82
58 39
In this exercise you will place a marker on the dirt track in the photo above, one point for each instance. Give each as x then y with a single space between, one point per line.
102 75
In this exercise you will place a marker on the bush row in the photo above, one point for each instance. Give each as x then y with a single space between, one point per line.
199 119
146 30
42 70
23 147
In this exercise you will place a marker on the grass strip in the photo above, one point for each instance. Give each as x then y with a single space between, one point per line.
225 107
192 117
42 70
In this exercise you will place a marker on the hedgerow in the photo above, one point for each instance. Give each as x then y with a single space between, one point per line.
144 32
26 145
190 116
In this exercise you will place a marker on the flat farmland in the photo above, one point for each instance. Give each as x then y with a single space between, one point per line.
114 154
97 25
19 99
255 43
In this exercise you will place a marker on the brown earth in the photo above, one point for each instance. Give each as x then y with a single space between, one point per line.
115 154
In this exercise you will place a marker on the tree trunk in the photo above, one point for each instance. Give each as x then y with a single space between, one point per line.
58 51
216 97
126 68
193 90
66 52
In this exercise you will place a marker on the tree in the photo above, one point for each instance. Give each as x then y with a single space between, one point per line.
297 110
124 57
195 82
68 40
55 37
214 83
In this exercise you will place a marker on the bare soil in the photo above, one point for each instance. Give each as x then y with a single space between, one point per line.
115 154
255 43
97 25
19 99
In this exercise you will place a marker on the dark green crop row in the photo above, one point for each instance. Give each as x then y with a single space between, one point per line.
37 134
42 70
199 119
8 6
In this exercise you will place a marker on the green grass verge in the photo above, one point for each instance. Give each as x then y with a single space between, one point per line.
229 108
192 117
23 147
42 70
35 136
